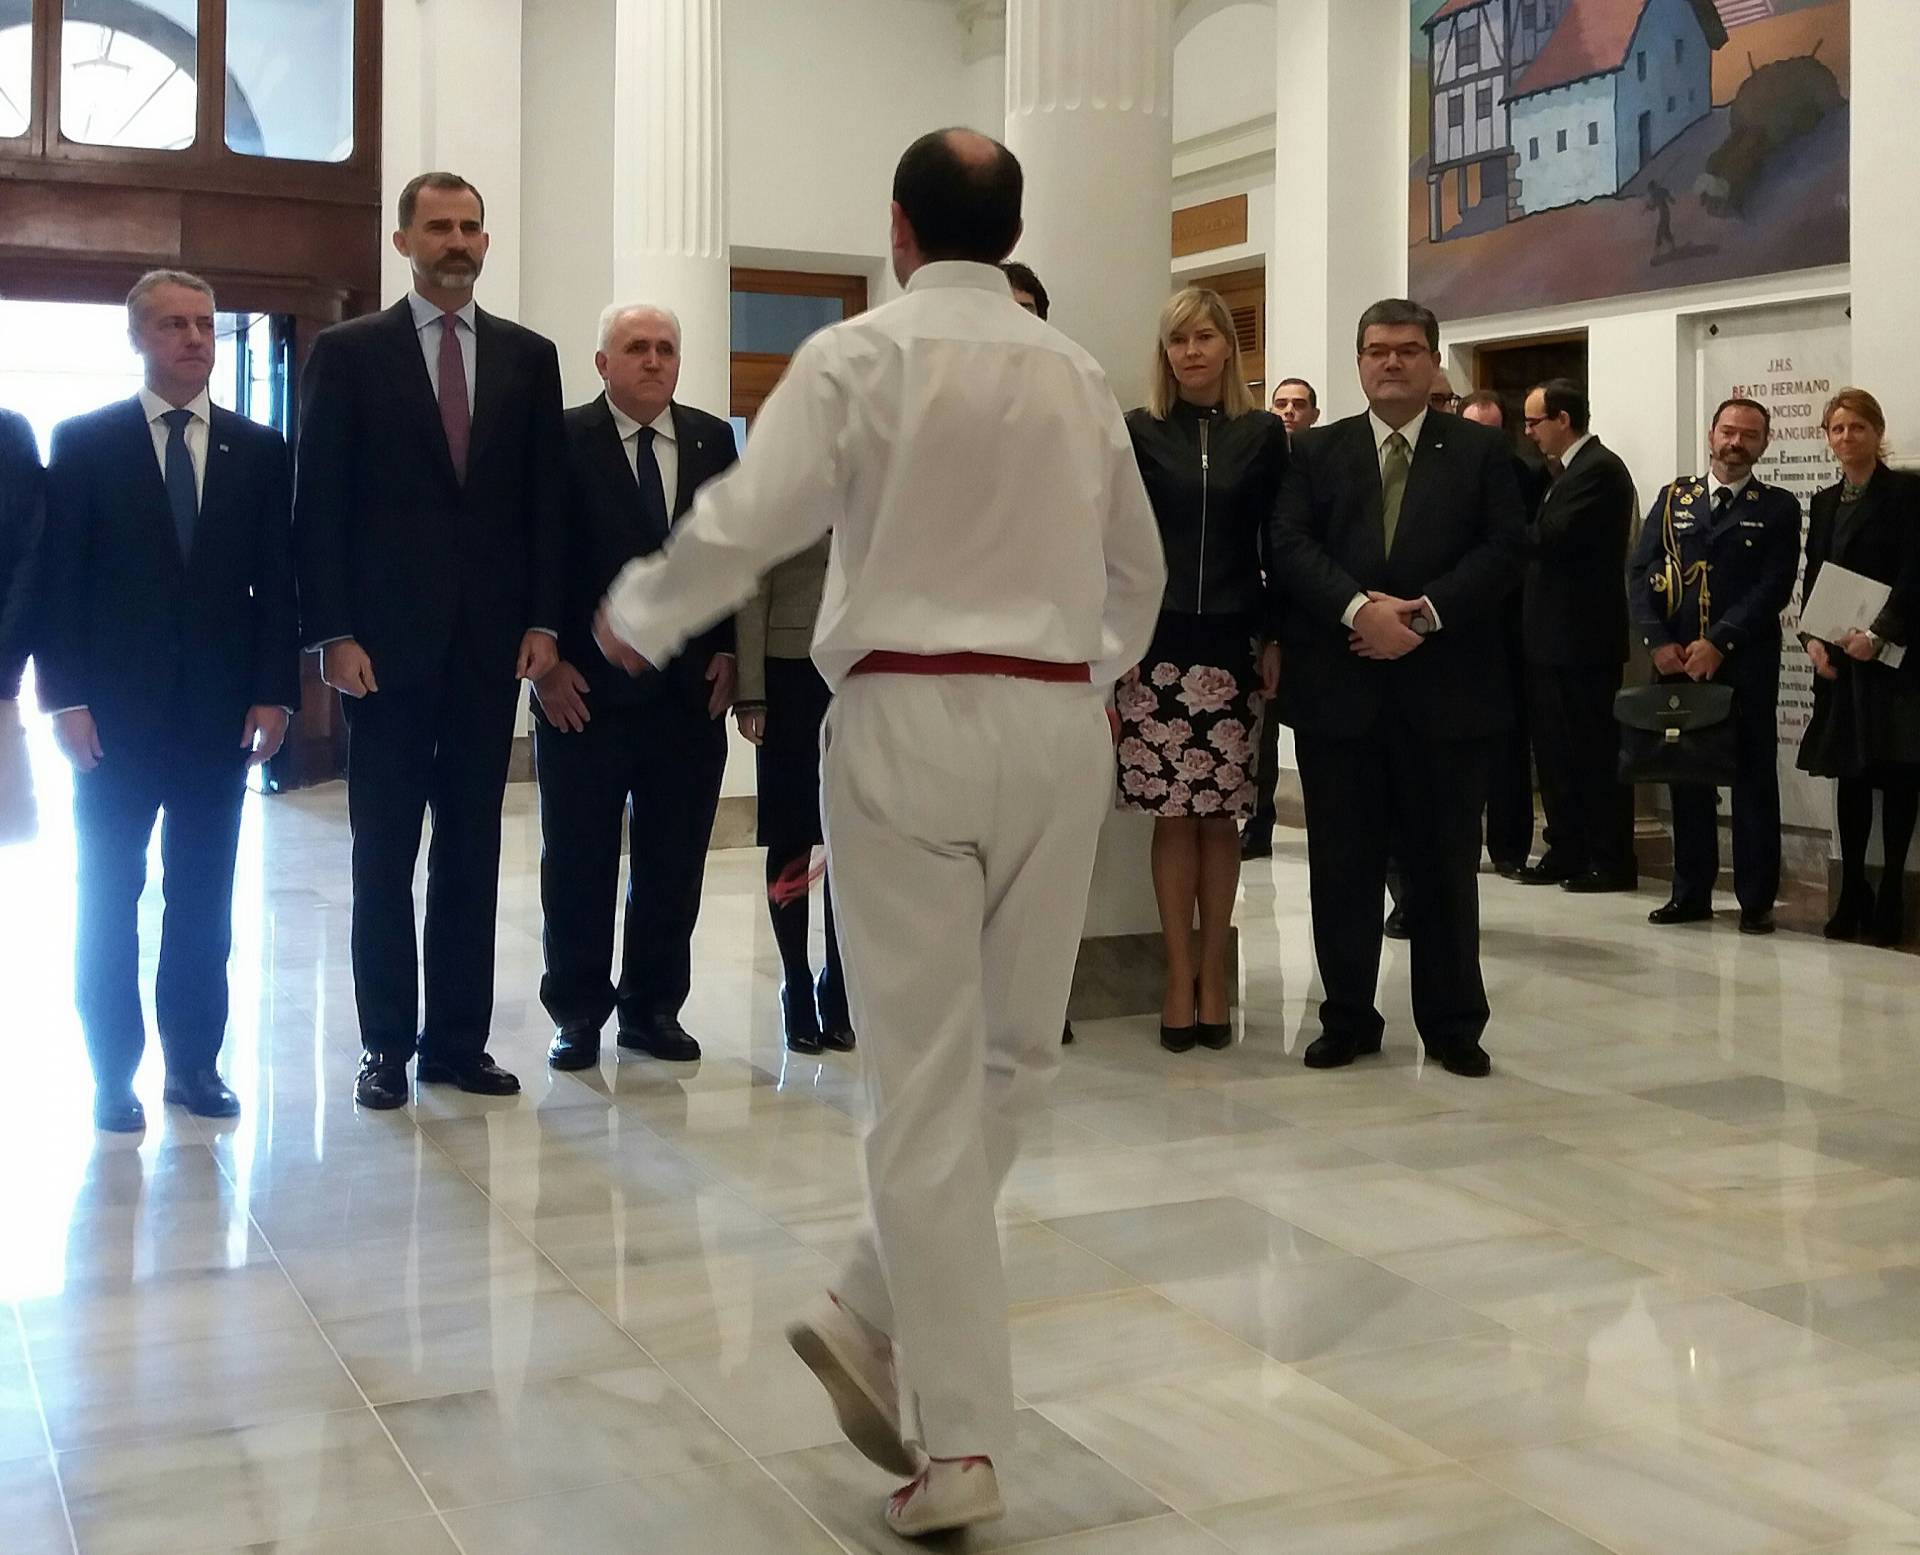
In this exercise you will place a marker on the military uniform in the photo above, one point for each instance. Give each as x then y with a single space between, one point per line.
1728 575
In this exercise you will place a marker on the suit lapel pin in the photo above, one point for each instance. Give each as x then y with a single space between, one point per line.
223 448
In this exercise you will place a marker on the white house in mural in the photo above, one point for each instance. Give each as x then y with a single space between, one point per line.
1543 103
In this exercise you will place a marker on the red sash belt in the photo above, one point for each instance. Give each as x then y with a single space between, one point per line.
887 662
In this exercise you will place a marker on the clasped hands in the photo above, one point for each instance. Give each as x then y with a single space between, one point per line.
1382 627
1699 660
1856 645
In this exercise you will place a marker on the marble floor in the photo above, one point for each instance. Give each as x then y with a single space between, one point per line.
1654 1288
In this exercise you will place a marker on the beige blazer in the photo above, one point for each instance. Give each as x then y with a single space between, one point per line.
778 621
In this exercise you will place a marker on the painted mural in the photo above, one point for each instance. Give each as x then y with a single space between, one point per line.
1572 149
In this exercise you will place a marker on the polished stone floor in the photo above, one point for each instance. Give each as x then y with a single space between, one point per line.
1654 1288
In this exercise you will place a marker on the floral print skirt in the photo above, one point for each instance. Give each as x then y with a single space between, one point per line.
1189 725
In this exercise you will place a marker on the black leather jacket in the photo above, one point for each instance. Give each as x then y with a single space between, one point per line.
1214 482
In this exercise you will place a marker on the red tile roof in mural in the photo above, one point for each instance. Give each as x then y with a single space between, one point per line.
1453 8
1592 40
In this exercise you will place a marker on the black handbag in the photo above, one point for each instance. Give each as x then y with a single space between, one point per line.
1677 732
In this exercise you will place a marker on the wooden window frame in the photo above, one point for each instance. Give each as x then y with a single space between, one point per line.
754 373
209 165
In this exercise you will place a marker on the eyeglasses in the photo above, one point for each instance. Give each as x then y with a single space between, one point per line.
1530 422
1443 401
1406 354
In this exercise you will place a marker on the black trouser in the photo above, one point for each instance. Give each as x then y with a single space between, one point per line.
1576 740
442 748
1510 772
1266 767
198 786
1756 811
1423 798
661 764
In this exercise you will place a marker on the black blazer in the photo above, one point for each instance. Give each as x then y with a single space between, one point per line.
130 630
1576 601
604 534
1460 542
1878 537
20 525
394 550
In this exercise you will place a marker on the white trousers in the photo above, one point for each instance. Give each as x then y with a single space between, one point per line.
962 814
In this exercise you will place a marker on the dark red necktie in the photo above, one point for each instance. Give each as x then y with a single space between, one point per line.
456 415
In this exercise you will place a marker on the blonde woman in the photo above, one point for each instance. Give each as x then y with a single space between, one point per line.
1865 728
1190 714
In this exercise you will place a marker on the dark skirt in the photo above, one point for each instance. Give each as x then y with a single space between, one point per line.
1189 726
788 761
1866 721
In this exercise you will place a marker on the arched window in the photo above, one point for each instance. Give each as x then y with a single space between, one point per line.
199 83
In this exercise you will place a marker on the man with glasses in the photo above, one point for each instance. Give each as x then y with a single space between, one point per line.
1400 537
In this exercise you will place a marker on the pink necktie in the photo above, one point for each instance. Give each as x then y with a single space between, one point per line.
456 416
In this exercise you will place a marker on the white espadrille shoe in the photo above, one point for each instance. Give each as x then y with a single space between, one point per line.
949 1493
854 1363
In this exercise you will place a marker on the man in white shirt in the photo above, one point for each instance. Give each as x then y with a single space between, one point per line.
170 660
995 568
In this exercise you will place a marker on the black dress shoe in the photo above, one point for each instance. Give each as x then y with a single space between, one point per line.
382 1084
116 1110
665 1038
1680 912
1328 1051
1256 840
1854 913
1756 922
1396 925
799 1022
1179 1039
476 1076
1594 883
574 1047
1546 872
1509 869
202 1092
1470 1063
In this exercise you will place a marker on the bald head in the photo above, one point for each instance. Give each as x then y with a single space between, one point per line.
956 195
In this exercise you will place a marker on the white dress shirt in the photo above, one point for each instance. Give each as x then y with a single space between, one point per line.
666 448
197 430
1715 486
1381 432
1573 450
976 474
426 326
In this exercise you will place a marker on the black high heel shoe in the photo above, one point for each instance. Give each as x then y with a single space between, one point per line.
1890 914
1210 1034
1180 1039
801 1023
1853 914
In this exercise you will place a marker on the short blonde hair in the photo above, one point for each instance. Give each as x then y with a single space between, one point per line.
1184 309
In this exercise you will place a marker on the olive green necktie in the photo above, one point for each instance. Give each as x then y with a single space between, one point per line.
1393 483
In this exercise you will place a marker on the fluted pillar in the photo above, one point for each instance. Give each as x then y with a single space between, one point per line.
669 190
1089 86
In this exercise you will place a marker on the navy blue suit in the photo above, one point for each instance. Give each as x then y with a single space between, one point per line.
1746 559
20 523
168 651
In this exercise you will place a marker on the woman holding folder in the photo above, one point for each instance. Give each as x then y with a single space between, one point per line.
1865 729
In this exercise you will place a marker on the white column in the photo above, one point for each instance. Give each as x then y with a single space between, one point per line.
1339 191
669 193
1089 84
1885 115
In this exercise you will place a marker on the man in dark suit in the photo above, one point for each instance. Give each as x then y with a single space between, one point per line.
608 743
1713 570
428 512
1510 783
1575 631
168 654
1400 536
20 526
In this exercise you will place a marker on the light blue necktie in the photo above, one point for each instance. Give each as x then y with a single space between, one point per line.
181 495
